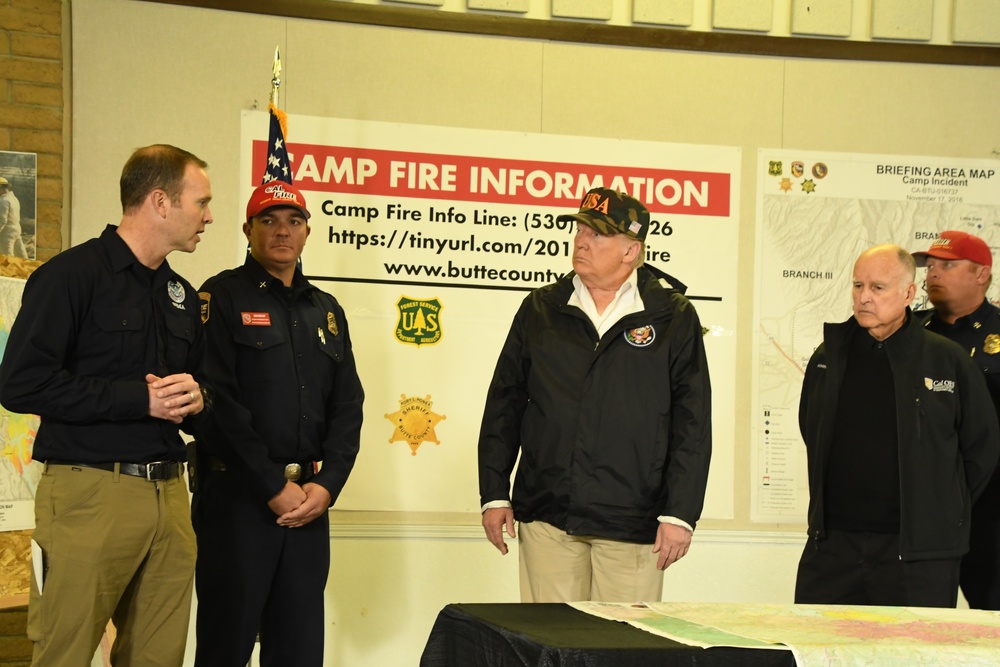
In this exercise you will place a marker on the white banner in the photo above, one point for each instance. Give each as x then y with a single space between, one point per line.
430 237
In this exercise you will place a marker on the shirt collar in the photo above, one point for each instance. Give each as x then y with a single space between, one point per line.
627 301
122 257
263 280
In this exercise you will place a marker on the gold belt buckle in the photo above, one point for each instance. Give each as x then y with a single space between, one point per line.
293 471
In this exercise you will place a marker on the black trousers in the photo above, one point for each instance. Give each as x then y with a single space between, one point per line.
980 576
865 569
254 576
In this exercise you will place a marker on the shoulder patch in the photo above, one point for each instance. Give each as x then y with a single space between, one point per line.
206 301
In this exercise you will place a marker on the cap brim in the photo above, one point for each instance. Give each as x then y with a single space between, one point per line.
599 224
301 210
920 258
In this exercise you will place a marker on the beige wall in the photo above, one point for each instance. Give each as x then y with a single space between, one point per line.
916 21
146 72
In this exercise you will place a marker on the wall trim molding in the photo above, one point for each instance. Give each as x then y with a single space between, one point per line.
586 32
442 532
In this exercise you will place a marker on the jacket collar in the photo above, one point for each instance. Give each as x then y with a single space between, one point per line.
838 334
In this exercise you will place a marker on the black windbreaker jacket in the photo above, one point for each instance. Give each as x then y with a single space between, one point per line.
947 432
612 432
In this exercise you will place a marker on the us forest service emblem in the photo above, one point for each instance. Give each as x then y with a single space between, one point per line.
414 422
419 321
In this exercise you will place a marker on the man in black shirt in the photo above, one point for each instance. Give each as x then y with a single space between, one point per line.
287 399
959 271
901 438
104 351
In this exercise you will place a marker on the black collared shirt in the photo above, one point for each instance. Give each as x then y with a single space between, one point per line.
93 322
286 385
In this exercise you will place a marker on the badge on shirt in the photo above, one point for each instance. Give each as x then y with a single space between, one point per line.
992 344
250 319
176 293
331 323
206 300
640 336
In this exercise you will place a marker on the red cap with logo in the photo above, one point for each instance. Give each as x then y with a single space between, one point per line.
273 194
956 245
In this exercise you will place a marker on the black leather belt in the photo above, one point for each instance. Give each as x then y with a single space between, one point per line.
155 471
294 472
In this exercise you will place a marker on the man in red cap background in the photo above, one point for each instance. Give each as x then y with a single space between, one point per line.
959 271
602 387
287 399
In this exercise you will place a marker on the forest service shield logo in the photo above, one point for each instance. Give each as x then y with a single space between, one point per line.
419 321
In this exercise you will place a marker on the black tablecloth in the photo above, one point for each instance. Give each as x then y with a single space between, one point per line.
546 635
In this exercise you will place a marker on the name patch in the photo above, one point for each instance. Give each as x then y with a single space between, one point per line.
255 319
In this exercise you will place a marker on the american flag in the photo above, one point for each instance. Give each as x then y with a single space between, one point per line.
278 167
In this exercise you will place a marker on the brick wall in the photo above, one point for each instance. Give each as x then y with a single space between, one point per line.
31 121
31 103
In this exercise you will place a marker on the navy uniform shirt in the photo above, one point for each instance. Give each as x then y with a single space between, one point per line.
286 388
978 332
93 322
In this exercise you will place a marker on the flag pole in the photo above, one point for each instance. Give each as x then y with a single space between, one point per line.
275 77
278 166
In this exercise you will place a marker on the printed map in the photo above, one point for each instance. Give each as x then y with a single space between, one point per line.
19 475
822 635
816 214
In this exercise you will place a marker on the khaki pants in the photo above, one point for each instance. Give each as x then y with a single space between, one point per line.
557 567
114 547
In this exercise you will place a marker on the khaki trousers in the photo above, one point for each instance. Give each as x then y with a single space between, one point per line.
114 547
557 567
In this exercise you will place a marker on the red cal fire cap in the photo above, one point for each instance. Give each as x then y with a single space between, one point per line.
956 245
275 193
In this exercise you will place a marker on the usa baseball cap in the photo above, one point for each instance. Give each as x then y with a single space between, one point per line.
612 212
956 245
275 193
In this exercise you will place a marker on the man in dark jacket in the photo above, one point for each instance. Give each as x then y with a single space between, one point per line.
901 438
959 271
603 388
